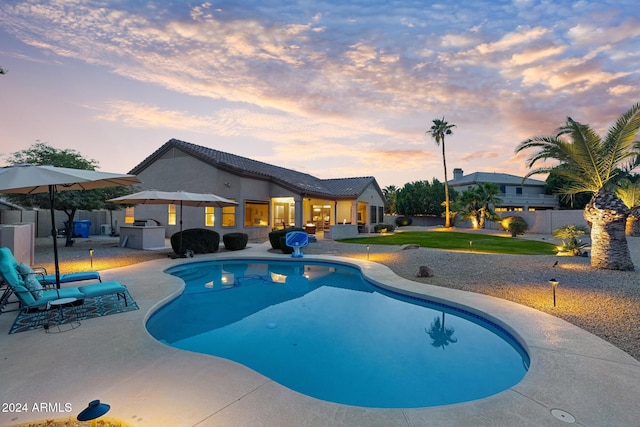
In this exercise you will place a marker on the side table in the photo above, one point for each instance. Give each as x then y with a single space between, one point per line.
57 321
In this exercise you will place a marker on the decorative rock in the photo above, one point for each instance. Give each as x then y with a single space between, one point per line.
410 246
424 271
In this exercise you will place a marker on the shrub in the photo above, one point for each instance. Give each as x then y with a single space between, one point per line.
283 245
198 240
383 228
571 244
403 221
274 236
235 241
516 225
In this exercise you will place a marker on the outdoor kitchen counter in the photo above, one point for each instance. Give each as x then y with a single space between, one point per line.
142 237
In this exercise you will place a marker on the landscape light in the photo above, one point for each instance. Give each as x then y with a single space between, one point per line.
93 411
91 256
554 285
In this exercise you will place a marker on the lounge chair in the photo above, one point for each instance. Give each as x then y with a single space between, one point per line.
32 293
41 273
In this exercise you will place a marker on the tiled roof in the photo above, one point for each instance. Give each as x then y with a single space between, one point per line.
299 182
347 187
495 178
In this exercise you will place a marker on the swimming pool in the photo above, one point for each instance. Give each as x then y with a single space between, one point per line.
321 329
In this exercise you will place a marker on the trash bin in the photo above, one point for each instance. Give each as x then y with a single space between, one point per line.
81 228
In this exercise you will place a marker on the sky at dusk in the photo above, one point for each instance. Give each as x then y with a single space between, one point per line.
334 89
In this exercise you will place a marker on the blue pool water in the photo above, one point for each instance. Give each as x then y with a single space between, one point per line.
323 330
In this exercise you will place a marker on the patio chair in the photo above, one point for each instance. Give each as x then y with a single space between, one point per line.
32 293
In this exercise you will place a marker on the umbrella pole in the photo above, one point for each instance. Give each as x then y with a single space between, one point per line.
54 234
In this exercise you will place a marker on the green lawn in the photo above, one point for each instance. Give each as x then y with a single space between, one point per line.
454 240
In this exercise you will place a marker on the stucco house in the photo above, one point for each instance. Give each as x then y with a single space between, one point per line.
268 196
516 195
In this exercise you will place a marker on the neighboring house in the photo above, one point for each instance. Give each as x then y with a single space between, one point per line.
268 196
516 195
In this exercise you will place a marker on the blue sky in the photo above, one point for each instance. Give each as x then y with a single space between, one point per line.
334 89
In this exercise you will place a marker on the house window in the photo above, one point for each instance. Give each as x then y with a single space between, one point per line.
503 189
171 215
229 216
374 211
129 214
209 216
256 214
362 212
380 213
284 212
518 190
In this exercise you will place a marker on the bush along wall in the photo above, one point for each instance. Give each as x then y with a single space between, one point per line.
235 241
403 221
274 236
198 240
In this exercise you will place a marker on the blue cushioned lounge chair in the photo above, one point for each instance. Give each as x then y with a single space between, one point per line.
32 293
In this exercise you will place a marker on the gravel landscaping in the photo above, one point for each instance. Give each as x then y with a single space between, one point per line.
605 303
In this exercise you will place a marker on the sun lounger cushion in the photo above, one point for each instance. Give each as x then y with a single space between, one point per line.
49 279
104 288
71 277
8 268
29 301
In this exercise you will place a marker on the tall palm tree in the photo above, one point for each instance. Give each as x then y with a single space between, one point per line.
438 131
390 192
440 335
590 165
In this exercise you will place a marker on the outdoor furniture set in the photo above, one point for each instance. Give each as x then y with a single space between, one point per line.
35 290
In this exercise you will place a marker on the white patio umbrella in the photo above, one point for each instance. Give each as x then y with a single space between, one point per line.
182 198
33 179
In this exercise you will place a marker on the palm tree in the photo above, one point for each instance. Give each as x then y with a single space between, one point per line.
478 204
590 165
629 193
438 131
440 335
390 192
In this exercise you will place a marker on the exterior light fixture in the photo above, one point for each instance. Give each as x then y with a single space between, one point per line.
93 411
368 251
91 256
554 285
471 245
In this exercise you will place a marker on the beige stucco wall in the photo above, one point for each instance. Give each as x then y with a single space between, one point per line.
177 170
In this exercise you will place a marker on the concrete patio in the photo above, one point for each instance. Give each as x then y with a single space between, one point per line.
575 377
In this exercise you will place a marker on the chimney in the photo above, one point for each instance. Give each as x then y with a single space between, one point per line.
457 174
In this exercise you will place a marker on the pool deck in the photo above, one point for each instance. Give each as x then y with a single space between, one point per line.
574 375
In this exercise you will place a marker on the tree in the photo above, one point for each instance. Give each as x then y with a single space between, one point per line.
629 193
438 131
554 184
441 336
590 164
3 71
478 203
421 198
67 201
390 192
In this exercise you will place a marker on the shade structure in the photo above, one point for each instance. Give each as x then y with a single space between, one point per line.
182 198
155 197
33 179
